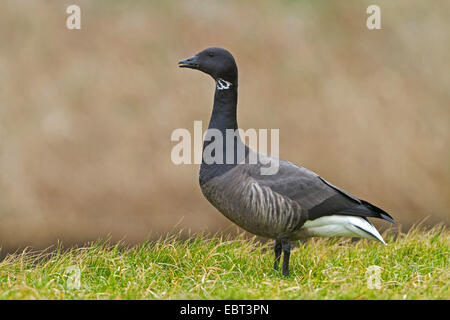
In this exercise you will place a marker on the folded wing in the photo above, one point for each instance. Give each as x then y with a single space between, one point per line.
313 193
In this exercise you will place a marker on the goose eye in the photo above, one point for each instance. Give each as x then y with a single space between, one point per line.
211 54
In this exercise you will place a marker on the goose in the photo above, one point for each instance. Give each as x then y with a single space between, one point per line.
292 204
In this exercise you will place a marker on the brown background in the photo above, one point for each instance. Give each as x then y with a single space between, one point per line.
86 116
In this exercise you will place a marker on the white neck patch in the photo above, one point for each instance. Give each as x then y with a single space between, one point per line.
223 84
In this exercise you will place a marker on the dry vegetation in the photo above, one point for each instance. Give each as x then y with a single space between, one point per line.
86 116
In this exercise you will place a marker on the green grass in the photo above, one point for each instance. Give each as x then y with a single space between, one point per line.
413 266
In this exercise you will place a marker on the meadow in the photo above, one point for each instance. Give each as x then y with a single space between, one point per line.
414 265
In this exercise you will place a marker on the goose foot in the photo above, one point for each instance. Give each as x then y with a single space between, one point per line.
282 246
277 249
286 246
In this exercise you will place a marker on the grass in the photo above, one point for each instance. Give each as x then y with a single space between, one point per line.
413 266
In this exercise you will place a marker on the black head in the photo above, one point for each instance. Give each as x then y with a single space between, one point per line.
217 62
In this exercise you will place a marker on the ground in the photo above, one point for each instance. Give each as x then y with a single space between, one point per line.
414 265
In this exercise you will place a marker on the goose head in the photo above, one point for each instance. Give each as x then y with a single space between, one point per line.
217 62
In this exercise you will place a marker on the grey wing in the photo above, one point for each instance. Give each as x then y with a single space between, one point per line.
315 194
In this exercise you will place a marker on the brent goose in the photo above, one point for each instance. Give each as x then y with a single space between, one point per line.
295 203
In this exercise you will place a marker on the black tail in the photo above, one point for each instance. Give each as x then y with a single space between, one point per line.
381 213
362 208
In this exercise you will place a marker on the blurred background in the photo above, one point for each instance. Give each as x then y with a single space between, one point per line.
86 115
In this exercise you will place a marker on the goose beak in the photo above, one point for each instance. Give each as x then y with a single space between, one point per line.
191 62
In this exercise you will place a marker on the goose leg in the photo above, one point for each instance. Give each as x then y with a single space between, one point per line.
286 245
277 249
